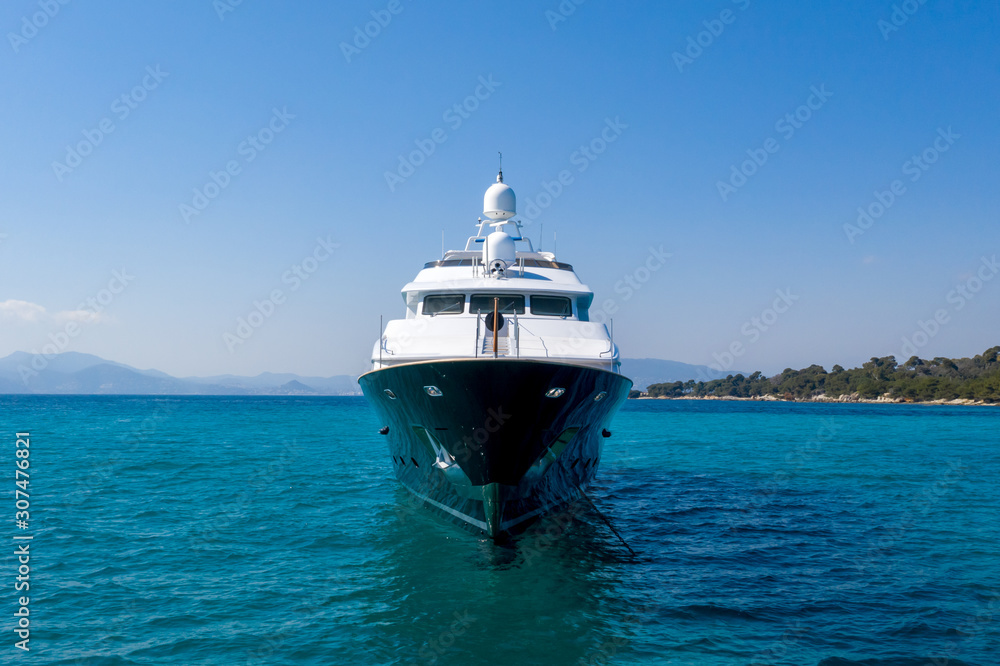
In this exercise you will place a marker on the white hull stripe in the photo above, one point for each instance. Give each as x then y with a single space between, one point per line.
507 524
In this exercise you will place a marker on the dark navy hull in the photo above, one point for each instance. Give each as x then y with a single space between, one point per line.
492 451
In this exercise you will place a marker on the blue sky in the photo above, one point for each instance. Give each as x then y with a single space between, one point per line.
308 129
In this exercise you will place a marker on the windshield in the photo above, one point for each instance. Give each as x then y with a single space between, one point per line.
444 304
507 303
553 306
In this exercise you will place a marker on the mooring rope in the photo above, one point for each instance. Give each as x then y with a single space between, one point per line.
606 521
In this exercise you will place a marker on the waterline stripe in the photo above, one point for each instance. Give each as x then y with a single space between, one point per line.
458 514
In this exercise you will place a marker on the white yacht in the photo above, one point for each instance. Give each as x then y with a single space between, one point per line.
496 390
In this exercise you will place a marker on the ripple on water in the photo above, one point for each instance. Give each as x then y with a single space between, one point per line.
283 538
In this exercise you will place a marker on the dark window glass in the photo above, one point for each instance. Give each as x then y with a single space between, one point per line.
444 304
508 303
555 306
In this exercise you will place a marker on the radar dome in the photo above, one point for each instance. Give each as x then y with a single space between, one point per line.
498 252
499 202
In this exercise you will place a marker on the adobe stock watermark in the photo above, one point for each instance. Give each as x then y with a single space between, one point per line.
802 457
363 35
413 330
958 298
631 283
248 149
779 649
121 108
223 7
563 11
294 277
697 43
786 126
640 275
753 328
473 443
254 487
30 25
976 624
90 309
627 287
581 158
454 116
915 167
535 543
444 641
103 467
605 652
899 17
880 551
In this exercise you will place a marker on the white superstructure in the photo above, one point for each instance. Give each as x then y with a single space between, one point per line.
543 306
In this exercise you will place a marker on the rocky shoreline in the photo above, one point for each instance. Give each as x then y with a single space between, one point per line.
853 398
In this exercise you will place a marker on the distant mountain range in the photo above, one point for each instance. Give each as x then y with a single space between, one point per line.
646 371
77 373
73 372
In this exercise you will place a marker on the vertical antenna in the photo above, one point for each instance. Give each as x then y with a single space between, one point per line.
479 232
500 175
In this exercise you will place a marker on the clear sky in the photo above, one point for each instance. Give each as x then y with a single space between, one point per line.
740 137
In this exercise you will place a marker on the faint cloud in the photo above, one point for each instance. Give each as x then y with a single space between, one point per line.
21 311
870 259
80 316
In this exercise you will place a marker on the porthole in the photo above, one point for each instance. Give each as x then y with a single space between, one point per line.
392 396
433 391
554 392
600 396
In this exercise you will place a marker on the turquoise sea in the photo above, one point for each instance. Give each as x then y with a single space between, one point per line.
214 530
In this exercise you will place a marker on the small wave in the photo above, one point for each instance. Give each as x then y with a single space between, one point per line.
712 610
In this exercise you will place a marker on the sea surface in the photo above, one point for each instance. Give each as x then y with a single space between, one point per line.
264 530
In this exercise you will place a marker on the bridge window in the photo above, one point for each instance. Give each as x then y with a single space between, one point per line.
508 303
444 304
553 306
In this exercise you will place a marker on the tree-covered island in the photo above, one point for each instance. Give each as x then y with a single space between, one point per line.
916 380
